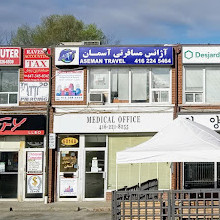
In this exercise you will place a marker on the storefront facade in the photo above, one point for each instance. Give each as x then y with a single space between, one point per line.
23 96
201 103
106 100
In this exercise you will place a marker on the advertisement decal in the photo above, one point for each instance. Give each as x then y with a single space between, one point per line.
34 91
69 85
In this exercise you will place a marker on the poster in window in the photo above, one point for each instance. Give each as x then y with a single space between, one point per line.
34 162
34 91
2 167
69 85
34 184
68 186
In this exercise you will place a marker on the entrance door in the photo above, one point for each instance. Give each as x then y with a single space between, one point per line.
95 167
8 174
68 174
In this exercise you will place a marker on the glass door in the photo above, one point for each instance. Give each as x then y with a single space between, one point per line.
95 166
68 175
95 174
8 174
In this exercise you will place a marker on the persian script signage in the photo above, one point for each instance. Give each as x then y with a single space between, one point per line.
114 55
126 55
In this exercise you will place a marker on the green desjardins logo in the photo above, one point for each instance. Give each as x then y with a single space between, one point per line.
189 55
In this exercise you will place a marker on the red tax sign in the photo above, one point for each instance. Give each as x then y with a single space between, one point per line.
10 56
36 65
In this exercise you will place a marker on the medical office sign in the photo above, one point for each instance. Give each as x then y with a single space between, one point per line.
125 55
10 56
22 124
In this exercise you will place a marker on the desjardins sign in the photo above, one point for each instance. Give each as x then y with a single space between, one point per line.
209 54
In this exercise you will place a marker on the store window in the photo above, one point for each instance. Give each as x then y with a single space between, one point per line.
8 86
198 175
201 175
201 85
131 85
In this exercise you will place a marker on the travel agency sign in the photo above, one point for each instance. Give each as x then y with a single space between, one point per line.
206 54
114 55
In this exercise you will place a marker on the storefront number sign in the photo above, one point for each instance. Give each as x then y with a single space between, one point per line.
34 162
34 184
125 55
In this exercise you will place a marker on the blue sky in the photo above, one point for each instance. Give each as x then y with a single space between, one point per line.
128 21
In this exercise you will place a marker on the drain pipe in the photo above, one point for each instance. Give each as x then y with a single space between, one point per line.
176 166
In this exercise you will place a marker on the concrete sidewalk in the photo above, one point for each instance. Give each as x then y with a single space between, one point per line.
95 206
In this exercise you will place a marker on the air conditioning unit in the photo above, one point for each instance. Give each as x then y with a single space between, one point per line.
91 43
96 98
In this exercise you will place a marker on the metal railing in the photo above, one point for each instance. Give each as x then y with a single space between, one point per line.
166 205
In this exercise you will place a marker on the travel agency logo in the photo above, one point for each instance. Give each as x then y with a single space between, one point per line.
67 56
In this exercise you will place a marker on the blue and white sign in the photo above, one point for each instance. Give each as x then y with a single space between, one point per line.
66 56
125 55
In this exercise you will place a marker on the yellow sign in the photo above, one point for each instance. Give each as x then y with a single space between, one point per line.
69 141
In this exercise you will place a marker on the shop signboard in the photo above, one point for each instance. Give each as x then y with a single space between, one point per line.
111 122
34 91
68 186
66 56
201 55
34 184
36 65
211 121
126 55
22 124
34 162
10 56
69 85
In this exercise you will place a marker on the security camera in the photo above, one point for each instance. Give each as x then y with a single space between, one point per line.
45 50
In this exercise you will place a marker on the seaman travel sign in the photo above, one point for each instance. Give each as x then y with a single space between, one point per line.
125 55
